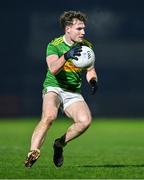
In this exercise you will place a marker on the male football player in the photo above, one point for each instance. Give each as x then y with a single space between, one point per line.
62 88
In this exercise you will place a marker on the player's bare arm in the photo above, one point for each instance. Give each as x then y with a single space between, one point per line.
55 63
91 74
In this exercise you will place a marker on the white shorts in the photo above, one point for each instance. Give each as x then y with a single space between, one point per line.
66 97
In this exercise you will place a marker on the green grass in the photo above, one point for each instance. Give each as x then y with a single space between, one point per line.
112 149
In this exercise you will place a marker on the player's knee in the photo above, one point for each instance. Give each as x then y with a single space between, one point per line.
86 122
49 117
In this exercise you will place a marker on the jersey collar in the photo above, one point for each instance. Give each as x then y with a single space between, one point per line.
67 42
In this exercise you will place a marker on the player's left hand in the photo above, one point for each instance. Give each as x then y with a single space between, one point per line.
94 86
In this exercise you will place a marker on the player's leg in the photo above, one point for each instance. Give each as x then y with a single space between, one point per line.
81 115
51 103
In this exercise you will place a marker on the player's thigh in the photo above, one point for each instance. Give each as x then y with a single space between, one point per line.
79 112
51 103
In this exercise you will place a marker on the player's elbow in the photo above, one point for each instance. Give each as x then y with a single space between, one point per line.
53 71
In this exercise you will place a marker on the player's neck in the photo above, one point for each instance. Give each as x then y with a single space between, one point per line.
67 40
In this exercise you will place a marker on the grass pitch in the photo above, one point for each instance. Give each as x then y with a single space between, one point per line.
109 149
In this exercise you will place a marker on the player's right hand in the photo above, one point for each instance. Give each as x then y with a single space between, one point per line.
73 52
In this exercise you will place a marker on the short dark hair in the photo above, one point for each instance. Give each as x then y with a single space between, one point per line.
67 18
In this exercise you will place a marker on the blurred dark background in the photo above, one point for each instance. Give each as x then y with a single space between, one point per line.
116 28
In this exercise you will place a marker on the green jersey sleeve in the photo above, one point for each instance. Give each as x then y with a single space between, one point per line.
51 49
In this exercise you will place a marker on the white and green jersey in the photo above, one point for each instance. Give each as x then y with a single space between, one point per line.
69 77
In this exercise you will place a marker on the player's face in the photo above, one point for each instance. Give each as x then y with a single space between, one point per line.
76 31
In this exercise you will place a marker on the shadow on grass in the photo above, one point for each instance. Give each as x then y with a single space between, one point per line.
112 166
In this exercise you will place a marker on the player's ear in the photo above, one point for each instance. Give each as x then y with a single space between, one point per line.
67 29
